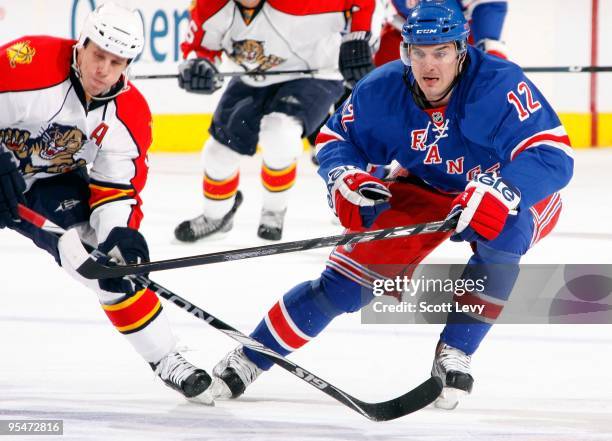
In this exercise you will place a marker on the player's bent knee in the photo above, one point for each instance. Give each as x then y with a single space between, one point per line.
342 293
219 160
281 139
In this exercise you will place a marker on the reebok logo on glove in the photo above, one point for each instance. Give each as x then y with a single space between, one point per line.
484 206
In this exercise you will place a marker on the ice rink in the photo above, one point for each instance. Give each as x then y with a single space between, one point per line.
61 359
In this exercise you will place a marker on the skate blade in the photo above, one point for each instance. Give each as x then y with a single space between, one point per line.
204 399
219 390
449 398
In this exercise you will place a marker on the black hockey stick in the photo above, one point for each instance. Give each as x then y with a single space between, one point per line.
231 74
414 400
529 69
567 69
92 269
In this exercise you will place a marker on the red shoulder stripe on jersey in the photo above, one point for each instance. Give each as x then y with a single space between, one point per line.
200 12
362 12
543 138
133 111
34 62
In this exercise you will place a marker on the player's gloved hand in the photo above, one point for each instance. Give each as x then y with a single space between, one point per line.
493 47
355 57
356 197
123 246
483 208
199 75
12 186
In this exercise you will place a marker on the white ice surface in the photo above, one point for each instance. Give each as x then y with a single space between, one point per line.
62 360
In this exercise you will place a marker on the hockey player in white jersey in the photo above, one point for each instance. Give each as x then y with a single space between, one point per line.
66 105
275 111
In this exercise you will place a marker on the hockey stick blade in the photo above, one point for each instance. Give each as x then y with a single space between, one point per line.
91 269
421 396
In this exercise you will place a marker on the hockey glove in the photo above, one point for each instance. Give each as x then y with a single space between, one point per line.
12 186
123 246
199 75
356 197
483 208
355 57
493 47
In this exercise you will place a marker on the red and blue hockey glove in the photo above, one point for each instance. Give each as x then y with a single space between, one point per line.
356 197
484 207
12 186
123 246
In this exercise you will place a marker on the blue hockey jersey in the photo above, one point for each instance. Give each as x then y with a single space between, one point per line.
496 121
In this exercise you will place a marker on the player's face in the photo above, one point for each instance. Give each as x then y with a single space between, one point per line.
100 70
434 68
249 3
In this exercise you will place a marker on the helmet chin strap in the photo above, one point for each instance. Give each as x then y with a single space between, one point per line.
124 78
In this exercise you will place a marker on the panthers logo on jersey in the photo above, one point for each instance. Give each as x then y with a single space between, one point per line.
20 53
52 152
250 54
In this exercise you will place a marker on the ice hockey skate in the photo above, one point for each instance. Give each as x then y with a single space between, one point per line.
177 373
202 226
233 374
271 224
453 367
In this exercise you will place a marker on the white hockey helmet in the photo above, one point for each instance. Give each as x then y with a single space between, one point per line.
115 29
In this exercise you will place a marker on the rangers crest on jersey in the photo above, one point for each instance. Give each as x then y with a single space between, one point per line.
250 54
52 152
20 53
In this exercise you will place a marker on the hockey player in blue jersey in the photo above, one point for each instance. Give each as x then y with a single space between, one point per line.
475 139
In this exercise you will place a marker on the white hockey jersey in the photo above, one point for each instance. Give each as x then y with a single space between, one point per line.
280 35
46 123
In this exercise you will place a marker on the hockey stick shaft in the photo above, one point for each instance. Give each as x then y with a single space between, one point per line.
231 74
416 399
528 69
91 269
567 69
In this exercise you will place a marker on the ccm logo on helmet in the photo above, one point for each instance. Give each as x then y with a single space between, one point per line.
426 31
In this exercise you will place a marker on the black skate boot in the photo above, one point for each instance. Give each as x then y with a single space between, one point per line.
180 375
452 366
202 226
271 224
233 374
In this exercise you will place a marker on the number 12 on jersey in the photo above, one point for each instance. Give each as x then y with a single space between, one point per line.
532 105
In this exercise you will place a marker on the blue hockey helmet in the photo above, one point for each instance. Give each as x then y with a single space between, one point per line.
435 22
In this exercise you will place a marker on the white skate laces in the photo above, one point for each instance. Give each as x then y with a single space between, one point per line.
233 374
452 366
174 368
178 374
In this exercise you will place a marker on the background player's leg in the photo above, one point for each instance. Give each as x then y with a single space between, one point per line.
220 187
281 142
234 132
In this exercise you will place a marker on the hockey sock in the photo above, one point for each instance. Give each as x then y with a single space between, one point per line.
303 313
141 319
277 183
219 195
499 271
